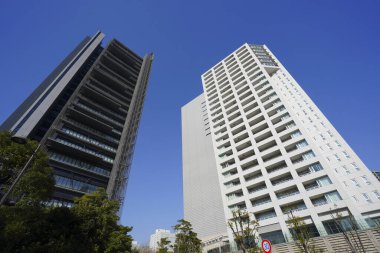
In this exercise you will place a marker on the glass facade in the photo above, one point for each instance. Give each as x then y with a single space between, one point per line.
78 163
73 184
274 237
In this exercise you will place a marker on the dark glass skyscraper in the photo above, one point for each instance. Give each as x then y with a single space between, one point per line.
86 114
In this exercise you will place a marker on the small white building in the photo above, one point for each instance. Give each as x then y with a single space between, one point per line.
156 237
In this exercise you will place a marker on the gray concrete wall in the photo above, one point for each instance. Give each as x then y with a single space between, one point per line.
202 197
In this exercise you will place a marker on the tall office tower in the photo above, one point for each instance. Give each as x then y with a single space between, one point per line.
277 152
203 205
86 115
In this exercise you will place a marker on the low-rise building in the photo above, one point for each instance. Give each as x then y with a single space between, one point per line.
156 237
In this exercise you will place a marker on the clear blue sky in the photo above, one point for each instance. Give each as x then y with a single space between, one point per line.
331 47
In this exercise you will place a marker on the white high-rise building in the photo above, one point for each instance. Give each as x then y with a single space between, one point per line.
275 151
158 235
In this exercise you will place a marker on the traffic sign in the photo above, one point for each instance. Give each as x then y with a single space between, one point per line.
266 246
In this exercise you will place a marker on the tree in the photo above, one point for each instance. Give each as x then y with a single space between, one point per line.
90 226
163 245
301 234
36 186
99 222
186 240
244 231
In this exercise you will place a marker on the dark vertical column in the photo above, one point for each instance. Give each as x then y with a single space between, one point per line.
122 165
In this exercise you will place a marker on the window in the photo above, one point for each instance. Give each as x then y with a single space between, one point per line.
333 196
366 180
308 155
301 144
377 194
345 183
74 184
346 170
275 237
323 137
295 134
337 157
323 181
337 144
366 197
355 166
355 198
346 154
329 133
315 167
329 146
355 183
78 164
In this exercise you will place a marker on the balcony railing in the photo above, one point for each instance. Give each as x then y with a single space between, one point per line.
257 189
86 150
297 209
272 215
234 196
87 139
312 187
259 203
276 169
99 114
320 203
282 181
253 177
78 164
285 195
75 185
231 185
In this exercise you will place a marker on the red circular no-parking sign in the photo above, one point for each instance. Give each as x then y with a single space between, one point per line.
266 246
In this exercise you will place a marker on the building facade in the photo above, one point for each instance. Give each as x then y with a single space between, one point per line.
86 115
376 174
158 235
203 205
276 152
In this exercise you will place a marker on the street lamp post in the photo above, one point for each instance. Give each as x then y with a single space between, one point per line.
22 171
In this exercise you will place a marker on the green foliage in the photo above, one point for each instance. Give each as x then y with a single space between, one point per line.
186 240
38 229
244 230
89 227
98 221
163 245
37 183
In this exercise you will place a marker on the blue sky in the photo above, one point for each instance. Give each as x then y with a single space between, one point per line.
330 47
